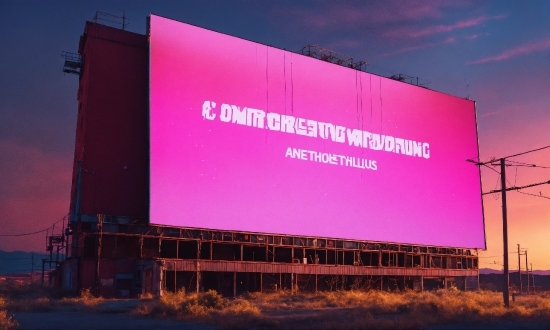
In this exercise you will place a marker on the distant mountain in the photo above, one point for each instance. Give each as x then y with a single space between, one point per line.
485 271
19 262
496 281
541 272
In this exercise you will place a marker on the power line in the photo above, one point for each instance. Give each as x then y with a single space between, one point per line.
522 164
494 159
541 196
529 165
517 188
526 152
33 233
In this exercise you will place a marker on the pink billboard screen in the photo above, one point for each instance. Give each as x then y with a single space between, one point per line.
253 138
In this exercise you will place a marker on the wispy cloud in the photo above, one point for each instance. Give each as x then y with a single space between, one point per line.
410 49
472 37
450 40
345 43
352 15
476 36
407 32
490 113
520 50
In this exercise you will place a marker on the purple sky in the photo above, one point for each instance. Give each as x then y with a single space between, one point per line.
494 52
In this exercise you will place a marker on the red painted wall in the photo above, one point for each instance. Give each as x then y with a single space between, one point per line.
112 129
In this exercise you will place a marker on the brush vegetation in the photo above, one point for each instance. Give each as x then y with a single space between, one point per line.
202 307
284 309
348 309
31 296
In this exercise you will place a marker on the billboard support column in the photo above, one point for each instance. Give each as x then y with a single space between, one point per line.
506 274
234 284
198 268
316 280
99 236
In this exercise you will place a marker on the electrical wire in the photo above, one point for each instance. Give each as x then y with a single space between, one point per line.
526 152
527 165
541 196
33 233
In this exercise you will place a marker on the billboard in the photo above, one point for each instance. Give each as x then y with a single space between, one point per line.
252 138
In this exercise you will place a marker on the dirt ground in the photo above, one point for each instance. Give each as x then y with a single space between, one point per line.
114 314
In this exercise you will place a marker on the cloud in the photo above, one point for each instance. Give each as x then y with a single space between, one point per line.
520 50
410 49
449 40
345 43
472 37
335 15
490 113
407 32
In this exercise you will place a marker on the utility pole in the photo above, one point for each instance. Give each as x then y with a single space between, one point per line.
506 292
527 271
533 279
503 190
519 271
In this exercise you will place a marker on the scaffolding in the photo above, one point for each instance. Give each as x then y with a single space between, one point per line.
232 262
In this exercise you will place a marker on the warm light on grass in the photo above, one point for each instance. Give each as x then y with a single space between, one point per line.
283 309
7 322
85 299
349 309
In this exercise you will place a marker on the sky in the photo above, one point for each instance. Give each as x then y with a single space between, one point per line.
494 52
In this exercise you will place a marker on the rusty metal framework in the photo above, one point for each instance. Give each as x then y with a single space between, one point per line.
112 20
410 80
333 57
73 63
210 259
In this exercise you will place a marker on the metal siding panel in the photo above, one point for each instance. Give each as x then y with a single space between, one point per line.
255 267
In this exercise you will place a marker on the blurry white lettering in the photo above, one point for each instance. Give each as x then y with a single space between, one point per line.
311 128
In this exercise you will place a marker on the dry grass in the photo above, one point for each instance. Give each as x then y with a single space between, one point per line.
86 299
326 310
195 305
24 297
208 307
7 322
349 309
33 297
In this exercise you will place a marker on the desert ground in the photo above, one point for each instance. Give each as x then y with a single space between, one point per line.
30 306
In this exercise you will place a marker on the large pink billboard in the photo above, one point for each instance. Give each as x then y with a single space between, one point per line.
253 138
